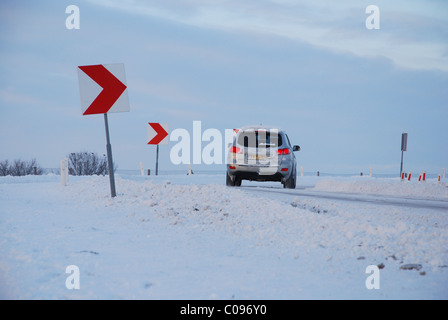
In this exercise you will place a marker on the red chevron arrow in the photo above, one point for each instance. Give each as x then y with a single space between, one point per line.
112 88
160 133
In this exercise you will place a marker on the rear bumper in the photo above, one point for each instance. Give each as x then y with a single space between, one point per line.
259 173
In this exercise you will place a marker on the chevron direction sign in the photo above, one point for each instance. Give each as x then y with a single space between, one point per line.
103 89
157 133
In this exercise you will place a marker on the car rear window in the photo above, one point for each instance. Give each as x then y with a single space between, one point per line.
260 139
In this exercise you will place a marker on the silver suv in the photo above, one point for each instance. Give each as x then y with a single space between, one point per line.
261 154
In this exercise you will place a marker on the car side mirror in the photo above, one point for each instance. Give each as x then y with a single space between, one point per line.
295 148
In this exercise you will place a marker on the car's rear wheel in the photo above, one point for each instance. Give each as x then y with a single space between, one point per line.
229 181
236 182
290 183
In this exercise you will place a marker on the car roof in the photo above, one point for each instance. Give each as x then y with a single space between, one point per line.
260 127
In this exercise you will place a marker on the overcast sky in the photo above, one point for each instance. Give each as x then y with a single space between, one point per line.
342 92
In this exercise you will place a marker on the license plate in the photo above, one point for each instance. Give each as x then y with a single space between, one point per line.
257 157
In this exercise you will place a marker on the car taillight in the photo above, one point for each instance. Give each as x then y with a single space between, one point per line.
232 167
235 150
283 151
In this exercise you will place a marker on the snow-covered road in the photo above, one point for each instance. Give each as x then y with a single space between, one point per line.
191 237
309 192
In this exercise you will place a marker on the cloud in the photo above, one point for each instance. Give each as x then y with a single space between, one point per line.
412 35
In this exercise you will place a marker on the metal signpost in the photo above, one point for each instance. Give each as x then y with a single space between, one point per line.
110 162
157 161
103 90
157 134
404 144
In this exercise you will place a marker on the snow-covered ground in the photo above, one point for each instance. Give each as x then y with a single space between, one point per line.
191 237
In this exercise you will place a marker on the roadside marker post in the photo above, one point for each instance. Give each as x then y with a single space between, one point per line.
64 172
142 171
404 145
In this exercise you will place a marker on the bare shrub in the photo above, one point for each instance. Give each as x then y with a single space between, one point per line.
87 164
20 168
4 168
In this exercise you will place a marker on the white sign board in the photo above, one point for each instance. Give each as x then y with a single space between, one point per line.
103 89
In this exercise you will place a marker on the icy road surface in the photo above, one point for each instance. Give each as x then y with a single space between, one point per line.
190 237
310 192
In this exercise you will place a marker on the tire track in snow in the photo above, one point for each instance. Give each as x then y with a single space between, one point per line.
364 198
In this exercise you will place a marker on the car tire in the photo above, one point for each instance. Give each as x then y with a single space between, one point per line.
238 182
229 181
291 182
